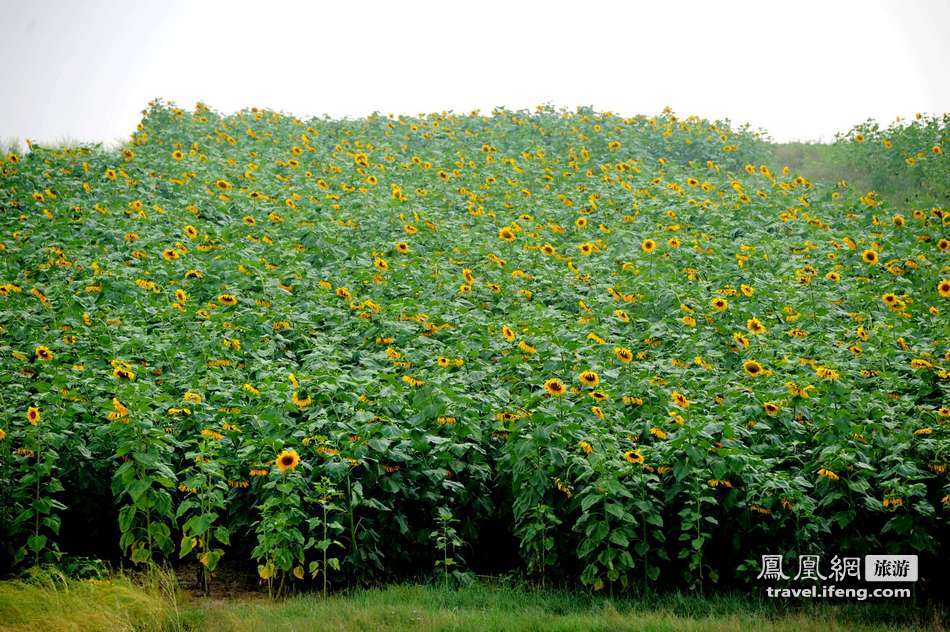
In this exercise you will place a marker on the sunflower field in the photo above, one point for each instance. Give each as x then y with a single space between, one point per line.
588 349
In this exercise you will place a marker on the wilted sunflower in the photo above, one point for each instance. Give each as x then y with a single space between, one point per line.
287 460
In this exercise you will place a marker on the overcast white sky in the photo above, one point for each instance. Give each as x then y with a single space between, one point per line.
801 70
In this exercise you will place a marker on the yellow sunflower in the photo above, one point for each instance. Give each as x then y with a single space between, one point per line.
287 460
555 387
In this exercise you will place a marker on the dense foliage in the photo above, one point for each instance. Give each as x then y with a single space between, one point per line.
906 156
597 349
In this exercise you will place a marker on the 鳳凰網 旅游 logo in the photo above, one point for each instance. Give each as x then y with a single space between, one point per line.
809 577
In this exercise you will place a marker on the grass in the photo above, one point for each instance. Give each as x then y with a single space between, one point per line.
54 603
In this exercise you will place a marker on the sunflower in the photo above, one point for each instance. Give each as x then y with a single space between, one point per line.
623 354
720 304
508 333
506 234
301 402
746 290
181 296
829 474
33 415
648 246
555 387
833 276
752 367
673 242
943 288
755 326
123 373
633 456
170 254
771 408
227 299
224 185
586 248
741 339
190 231
287 460
43 353
589 378
381 264
889 299
869 256
177 155
547 249
679 399
402 247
